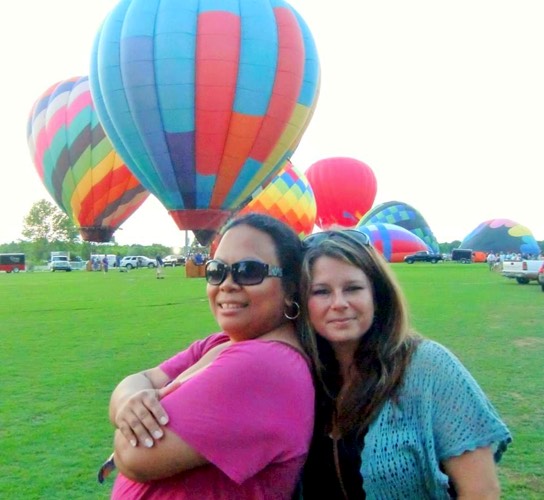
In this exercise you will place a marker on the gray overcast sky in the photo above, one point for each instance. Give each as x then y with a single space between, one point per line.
443 100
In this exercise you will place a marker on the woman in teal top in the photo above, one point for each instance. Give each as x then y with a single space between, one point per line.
398 416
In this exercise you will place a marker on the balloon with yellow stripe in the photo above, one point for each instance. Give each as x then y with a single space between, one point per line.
77 163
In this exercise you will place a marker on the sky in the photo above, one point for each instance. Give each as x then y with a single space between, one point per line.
443 100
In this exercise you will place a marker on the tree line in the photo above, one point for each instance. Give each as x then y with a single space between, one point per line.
46 229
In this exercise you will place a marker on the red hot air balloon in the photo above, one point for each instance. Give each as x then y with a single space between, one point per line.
204 100
344 190
77 163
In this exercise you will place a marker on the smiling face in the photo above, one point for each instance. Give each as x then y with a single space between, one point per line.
340 304
246 312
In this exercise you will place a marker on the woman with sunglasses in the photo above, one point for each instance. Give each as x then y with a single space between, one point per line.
397 416
232 415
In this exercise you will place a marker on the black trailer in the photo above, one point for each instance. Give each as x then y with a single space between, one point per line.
462 255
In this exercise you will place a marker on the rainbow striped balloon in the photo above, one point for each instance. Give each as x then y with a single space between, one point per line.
205 99
77 163
288 198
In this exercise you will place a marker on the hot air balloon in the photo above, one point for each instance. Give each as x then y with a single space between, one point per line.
501 235
77 162
392 241
344 190
403 215
204 100
288 198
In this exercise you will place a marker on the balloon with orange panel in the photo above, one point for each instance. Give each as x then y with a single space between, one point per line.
344 190
77 163
205 100
289 198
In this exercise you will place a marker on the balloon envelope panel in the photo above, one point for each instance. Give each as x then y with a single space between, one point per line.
204 99
77 163
403 215
344 189
501 235
393 242
288 198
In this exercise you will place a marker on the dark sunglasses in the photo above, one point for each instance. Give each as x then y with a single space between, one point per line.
316 239
244 273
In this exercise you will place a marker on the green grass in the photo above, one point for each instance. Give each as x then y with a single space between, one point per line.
68 338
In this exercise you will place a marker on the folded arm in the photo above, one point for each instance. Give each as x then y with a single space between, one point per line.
171 455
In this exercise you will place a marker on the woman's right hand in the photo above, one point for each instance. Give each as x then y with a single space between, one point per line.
141 418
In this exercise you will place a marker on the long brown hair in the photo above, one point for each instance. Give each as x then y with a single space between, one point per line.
383 353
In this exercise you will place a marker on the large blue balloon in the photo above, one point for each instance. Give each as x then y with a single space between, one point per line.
204 99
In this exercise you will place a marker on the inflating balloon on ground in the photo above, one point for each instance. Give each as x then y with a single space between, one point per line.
403 215
501 235
392 241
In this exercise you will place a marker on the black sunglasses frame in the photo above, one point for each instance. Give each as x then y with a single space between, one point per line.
315 239
265 271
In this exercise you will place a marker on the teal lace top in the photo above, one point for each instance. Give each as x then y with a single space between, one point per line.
441 413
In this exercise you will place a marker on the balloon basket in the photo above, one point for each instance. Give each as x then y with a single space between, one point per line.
193 270
98 234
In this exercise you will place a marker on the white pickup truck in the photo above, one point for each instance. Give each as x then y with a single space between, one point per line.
522 271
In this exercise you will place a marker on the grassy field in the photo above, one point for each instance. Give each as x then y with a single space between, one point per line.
68 338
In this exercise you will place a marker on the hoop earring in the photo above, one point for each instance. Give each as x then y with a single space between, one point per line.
297 313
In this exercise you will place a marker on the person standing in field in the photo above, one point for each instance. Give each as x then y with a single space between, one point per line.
160 266
491 260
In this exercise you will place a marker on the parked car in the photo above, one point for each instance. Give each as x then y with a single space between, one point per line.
541 276
423 256
60 263
134 261
174 260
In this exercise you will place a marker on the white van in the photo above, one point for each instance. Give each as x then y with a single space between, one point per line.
112 262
